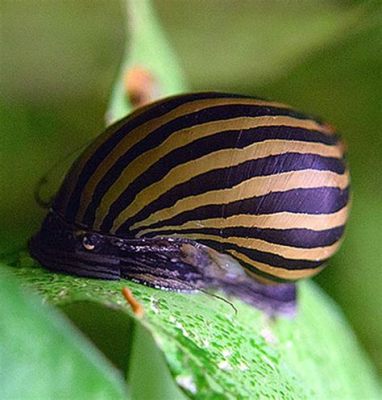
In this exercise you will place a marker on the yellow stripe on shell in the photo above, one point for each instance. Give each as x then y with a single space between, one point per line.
278 272
219 159
289 252
73 175
253 187
280 220
143 130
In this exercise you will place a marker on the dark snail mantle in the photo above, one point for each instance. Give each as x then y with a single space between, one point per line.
159 195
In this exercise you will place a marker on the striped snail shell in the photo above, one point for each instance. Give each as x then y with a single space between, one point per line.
160 194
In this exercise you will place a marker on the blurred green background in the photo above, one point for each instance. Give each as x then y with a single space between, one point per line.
58 60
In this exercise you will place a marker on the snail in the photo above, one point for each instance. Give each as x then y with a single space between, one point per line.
168 194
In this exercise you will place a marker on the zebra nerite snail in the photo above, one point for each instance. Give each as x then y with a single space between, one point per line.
162 193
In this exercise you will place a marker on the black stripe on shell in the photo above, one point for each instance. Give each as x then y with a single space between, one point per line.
322 200
156 137
297 237
271 259
221 178
158 109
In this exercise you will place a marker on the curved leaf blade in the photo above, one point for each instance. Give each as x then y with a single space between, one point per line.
42 356
214 353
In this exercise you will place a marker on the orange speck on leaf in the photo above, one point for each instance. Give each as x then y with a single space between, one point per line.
141 86
134 304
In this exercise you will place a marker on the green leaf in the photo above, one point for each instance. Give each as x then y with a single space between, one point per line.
130 347
43 357
214 353
146 48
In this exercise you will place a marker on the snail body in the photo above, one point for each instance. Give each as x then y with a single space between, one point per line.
160 193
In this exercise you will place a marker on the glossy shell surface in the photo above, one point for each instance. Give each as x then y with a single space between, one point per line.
251 178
